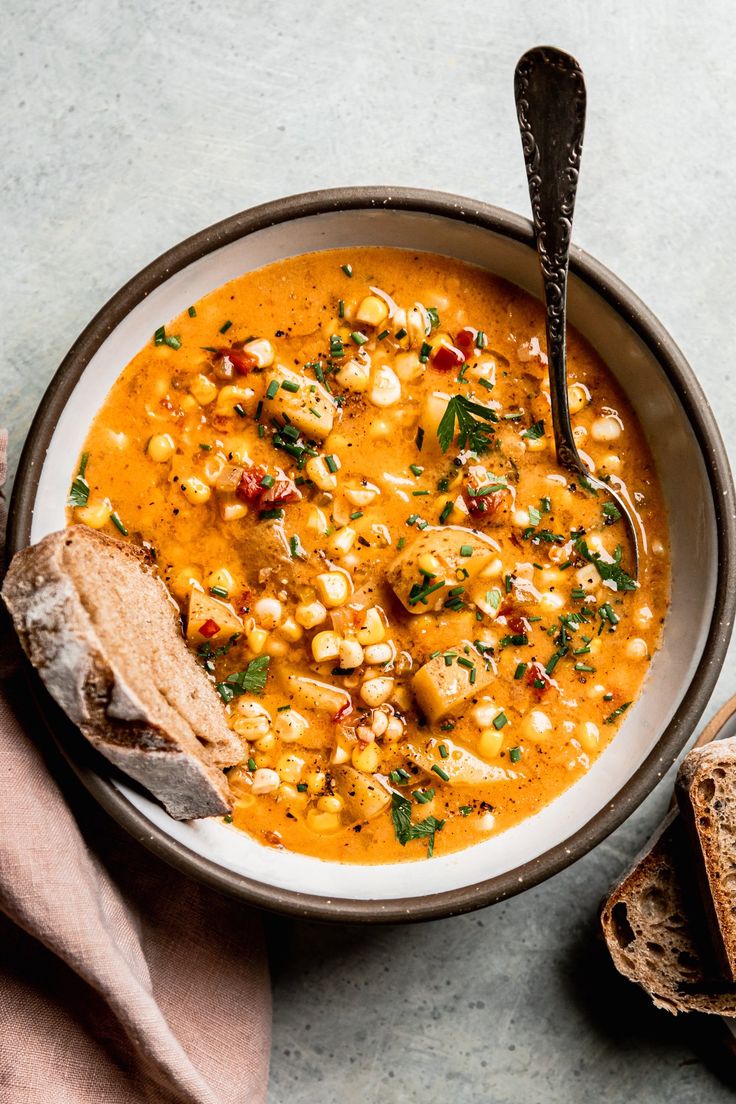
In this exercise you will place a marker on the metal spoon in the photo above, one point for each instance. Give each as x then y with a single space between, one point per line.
550 104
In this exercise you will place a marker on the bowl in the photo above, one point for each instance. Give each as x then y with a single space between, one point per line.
697 487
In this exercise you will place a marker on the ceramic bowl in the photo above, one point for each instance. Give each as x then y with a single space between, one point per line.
697 488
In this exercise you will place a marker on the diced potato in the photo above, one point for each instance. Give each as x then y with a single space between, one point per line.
443 688
208 612
446 547
311 411
464 768
364 796
311 694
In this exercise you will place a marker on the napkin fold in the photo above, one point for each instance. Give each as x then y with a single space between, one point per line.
120 979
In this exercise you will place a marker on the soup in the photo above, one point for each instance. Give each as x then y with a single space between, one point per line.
421 628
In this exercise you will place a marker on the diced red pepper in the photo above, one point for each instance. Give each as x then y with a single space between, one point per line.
209 629
343 712
249 488
242 362
466 339
447 357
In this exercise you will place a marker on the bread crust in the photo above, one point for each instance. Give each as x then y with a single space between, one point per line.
651 926
174 748
705 793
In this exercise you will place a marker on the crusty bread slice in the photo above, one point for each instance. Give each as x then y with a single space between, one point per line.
706 794
103 633
651 925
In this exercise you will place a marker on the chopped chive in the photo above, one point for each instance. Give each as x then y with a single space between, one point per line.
269 515
585 667
261 431
480 340
192 312
205 448
359 338
465 810
608 697
118 523
272 389
401 542
515 754
507 583
159 335
290 385
466 550
415 470
442 773
301 787
500 720
331 463
319 372
225 326
383 334
252 765
464 662
520 671
443 750
267 481
400 334
616 713
423 796
347 269
341 308
219 592
419 439
446 511
418 494
486 383
424 352
239 410
357 514
283 708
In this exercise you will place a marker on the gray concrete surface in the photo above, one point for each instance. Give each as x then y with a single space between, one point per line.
127 126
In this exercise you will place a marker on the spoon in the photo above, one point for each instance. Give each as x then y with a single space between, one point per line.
550 104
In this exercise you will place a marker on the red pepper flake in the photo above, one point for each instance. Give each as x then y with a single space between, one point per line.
249 488
283 491
446 357
343 712
517 623
242 362
209 629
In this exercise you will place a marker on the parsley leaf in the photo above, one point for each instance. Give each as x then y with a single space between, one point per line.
79 490
472 433
611 512
404 829
535 516
434 318
250 681
612 571
534 432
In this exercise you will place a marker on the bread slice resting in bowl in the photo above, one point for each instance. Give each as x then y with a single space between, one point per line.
101 630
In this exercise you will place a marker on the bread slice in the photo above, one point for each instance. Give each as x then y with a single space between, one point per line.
706 794
651 923
100 628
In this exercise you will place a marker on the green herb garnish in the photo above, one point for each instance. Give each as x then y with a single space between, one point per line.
401 809
79 490
472 432
250 681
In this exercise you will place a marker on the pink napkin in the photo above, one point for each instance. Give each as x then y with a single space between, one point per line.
120 979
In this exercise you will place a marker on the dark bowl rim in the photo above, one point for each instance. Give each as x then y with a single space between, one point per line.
682 379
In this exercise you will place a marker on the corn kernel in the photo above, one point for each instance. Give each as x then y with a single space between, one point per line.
330 803
589 736
265 781
256 639
333 588
203 389
366 757
394 729
376 691
268 612
94 514
317 521
196 490
290 726
372 311
351 654
637 648
373 630
261 350
535 444
161 447
536 725
250 719
408 366
291 631
355 374
385 389
222 578
378 654
316 781
320 474
232 396
326 646
607 428
341 543
323 823
490 743
232 511
361 495
429 564
310 614
187 578
290 767
578 396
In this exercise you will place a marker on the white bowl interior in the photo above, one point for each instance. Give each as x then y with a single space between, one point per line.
687 493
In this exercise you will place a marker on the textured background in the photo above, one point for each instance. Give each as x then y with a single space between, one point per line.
128 126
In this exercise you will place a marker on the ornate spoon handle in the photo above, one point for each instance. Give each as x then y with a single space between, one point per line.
550 104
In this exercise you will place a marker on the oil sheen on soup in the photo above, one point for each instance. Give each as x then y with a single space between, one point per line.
421 629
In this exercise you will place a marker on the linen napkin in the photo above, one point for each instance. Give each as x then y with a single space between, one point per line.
120 979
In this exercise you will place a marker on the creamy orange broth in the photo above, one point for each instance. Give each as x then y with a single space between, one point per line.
441 652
